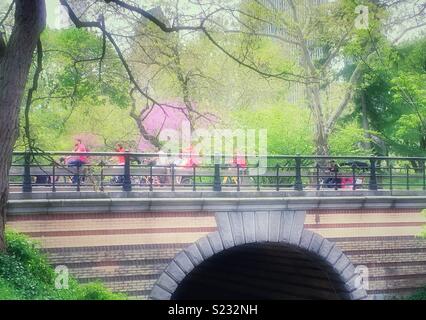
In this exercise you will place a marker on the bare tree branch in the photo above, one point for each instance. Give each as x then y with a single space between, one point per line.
6 15
34 87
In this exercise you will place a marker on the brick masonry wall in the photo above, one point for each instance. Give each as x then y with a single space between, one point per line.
129 251
126 251
386 241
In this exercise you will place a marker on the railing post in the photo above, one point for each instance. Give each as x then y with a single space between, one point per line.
53 176
151 178
318 176
101 187
238 178
353 176
336 178
258 178
27 185
217 186
194 176
373 175
127 182
407 171
78 179
172 167
298 183
277 177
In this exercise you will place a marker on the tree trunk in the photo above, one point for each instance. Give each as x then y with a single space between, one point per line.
15 62
321 141
321 134
365 125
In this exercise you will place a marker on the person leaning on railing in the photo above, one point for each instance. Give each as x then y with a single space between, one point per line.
77 161
333 169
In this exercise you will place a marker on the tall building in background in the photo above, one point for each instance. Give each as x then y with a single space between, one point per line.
297 92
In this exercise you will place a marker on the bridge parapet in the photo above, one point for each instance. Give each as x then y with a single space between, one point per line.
129 242
213 201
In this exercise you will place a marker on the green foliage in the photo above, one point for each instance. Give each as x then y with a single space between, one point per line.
189 67
76 94
71 67
419 295
97 291
348 139
24 268
396 97
100 126
26 274
7 292
288 127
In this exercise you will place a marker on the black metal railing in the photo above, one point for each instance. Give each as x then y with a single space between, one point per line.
50 171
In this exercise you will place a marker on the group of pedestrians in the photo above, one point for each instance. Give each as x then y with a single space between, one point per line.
188 159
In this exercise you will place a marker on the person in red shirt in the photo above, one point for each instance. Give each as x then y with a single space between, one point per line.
80 147
121 159
78 161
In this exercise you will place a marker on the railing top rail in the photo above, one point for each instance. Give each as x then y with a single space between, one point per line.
270 156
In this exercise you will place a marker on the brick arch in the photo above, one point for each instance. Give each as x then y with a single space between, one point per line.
240 228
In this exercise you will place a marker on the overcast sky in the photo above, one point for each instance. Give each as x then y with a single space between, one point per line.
53 17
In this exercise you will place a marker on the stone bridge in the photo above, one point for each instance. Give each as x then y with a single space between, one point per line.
233 245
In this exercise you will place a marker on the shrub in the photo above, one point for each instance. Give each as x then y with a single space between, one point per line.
97 291
6 292
23 266
26 274
419 295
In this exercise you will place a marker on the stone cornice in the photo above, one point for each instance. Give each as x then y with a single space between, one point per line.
37 206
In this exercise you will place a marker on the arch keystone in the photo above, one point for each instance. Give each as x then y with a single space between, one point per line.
249 227
287 217
274 226
261 226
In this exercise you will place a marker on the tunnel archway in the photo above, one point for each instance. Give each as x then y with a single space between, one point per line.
260 255
262 271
